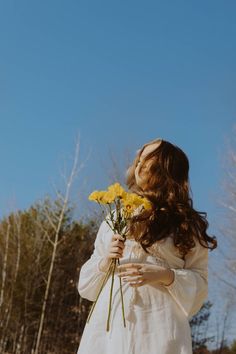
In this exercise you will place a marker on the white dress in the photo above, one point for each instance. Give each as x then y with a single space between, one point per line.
157 317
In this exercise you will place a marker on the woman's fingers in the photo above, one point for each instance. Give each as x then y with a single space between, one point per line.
130 265
138 283
136 278
115 255
133 273
124 271
117 237
116 252
116 249
133 267
134 281
117 246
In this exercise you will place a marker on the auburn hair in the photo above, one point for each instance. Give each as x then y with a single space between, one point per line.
166 184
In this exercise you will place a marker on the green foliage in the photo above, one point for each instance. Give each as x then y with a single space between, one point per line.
26 253
233 347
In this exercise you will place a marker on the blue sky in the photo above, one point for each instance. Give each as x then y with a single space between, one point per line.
118 73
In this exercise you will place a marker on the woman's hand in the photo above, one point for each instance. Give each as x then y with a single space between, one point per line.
115 250
138 274
116 246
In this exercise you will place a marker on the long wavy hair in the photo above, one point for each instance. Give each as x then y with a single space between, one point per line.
166 185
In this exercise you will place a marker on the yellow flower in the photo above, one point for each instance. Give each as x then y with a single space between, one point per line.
128 206
135 199
109 197
97 196
93 196
132 201
147 204
106 197
117 189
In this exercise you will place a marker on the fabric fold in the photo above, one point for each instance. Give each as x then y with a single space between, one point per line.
91 276
190 285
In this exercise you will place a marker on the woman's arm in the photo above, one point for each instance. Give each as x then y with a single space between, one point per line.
91 275
107 246
190 285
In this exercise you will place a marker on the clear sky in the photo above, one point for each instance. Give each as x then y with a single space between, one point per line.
118 73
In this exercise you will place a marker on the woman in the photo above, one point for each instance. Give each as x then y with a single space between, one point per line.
163 263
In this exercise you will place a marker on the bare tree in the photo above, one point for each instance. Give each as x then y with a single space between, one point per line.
13 225
4 267
116 166
223 265
227 202
56 223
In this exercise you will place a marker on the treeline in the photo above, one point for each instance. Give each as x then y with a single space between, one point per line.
41 252
26 247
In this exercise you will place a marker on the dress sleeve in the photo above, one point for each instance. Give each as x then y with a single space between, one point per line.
91 276
190 285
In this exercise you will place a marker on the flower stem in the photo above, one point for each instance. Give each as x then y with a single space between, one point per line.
111 290
100 290
122 299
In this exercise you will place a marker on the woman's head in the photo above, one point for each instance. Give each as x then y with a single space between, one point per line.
160 172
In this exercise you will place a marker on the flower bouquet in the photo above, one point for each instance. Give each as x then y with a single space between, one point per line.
119 205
